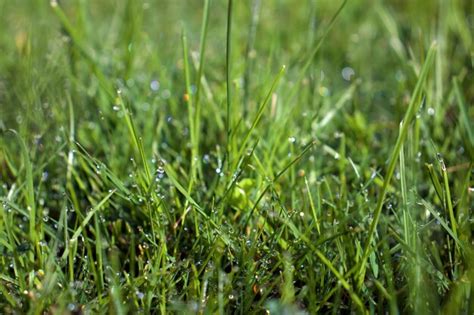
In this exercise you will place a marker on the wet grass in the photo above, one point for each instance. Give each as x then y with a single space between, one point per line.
236 157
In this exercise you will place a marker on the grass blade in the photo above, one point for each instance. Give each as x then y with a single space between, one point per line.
404 127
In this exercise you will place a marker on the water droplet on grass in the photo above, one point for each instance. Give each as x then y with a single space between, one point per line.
71 307
324 91
154 85
166 94
160 171
347 73
418 157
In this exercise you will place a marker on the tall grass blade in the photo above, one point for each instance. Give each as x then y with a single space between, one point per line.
405 125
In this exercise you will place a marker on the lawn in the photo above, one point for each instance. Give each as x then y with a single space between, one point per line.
236 157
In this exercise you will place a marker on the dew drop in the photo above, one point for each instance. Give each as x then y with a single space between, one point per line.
71 307
154 85
347 73
166 94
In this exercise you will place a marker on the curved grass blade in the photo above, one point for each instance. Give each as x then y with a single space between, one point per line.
404 125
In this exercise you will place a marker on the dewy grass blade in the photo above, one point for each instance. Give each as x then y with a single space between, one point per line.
311 204
172 176
29 193
409 115
202 51
448 201
228 57
463 116
441 221
327 262
249 64
260 112
190 109
136 140
404 194
86 220
295 160
276 177
435 181
200 74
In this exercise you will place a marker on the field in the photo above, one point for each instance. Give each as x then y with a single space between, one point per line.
236 157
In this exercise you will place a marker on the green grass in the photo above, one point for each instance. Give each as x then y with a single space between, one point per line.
242 157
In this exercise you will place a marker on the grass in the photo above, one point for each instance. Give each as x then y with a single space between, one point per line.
281 157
